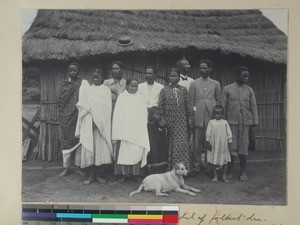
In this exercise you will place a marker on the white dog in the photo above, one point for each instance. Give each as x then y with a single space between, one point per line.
165 182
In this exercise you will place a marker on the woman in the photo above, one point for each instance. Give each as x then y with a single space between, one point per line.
116 84
130 132
94 126
177 114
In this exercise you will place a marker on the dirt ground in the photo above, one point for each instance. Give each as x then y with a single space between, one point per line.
267 185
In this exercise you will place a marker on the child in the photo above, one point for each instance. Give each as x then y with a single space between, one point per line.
130 132
218 141
94 125
159 142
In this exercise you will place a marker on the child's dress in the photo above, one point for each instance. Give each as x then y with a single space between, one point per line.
218 134
159 145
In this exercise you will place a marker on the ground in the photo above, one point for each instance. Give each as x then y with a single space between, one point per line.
266 170
267 185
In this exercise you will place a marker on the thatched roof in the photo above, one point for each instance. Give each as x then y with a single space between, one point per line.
75 34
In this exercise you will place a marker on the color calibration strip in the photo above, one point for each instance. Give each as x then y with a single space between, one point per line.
102 214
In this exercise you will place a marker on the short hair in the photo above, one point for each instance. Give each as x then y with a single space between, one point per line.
129 80
154 68
98 70
119 63
239 69
152 110
208 62
218 107
74 64
179 63
175 69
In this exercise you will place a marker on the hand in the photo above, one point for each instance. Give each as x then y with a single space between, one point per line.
162 121
207 146
252 131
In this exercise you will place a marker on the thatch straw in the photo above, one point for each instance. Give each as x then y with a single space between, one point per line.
76 34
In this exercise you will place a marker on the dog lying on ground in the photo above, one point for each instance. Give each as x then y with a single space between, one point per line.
165 182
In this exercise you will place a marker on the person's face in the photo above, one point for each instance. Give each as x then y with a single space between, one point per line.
185 68
132 87
243 78
218 114
116 71
150 76
156 116
97 79
205 70
73 72
174 78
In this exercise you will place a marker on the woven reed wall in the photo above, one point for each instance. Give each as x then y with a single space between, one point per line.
267 80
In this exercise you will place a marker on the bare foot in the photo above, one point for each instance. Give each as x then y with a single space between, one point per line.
100 180
229 176
215 179
64 173
224 178
243 177
79 172
91 179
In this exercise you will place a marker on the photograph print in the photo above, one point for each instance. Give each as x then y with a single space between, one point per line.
154 106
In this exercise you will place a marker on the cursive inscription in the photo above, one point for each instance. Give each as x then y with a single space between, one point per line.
186 216
218 217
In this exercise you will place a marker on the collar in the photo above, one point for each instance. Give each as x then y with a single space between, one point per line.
183 77
208 78
151 84
121 82
174 86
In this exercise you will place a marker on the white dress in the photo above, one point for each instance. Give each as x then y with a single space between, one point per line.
218 134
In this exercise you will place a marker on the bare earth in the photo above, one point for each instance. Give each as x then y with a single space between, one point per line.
267 185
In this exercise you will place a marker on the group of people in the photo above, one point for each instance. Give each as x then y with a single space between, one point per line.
148 128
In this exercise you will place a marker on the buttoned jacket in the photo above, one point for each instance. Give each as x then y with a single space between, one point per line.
204 94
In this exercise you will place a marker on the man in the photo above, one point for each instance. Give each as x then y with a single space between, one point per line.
67 114
150 89
184 69
116 84
205 94
241 113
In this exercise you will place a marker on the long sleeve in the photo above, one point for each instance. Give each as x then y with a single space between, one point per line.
161 102
188 108
192 93
225 101
208 130
253 107
229 133
218 95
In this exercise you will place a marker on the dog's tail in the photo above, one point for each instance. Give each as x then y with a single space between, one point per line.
138 190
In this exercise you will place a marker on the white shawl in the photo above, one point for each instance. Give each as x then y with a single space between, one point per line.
94 105
130 123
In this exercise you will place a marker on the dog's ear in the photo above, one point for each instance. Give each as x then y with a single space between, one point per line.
177 166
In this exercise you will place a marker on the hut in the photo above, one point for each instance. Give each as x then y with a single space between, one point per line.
141 38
